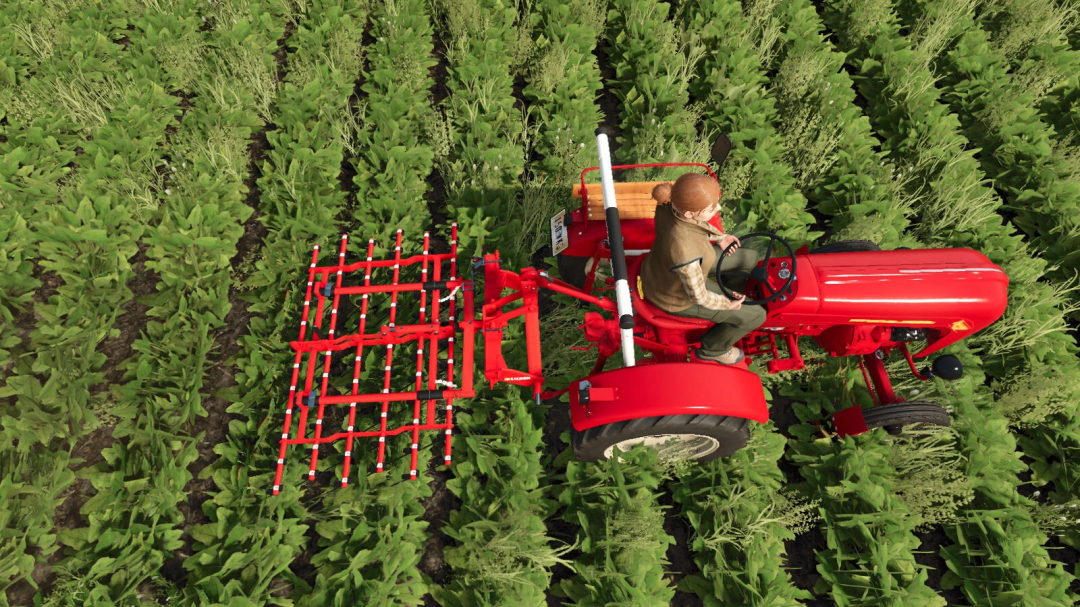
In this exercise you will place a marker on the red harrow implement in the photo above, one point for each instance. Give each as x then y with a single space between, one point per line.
326 284
852 298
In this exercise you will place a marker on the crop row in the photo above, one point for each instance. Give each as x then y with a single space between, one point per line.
251 538
134 519
651 76
1035 39
83 230
958 211
501 551
376 525
616 503
728 88
830 140
995 108
849 572
392 154
485 156
562 84
732 503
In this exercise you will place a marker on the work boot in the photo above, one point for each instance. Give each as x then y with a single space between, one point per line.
731 357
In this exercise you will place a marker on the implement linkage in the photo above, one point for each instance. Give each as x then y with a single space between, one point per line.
311 398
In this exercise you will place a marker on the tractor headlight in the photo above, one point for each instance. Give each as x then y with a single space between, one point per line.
948 367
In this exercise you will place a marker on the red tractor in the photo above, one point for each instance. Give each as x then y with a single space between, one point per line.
851 298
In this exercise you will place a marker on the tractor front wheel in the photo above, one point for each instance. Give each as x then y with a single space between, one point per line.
699 438
894 417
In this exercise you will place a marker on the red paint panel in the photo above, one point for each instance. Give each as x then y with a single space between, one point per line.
850 421
670 389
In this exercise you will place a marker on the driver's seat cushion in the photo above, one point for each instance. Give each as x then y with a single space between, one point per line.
654 315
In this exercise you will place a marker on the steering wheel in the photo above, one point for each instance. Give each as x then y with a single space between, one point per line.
759 273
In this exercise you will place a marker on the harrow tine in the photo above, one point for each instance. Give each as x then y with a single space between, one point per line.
419 365
450 355
433 344
389 356
326 360
293 395
357 365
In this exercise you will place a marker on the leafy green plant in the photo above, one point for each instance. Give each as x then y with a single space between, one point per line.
394 161
729 83
740 519
502 552
562 82
622 538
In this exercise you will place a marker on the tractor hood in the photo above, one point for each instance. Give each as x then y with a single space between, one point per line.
950 293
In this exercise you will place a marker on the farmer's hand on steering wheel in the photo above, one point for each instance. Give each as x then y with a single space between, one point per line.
736 303
727 240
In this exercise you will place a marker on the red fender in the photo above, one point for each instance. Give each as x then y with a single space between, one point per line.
849 422
677 388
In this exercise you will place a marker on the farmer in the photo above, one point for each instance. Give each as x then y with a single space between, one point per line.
673 275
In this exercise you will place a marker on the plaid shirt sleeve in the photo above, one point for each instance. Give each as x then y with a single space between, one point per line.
693 280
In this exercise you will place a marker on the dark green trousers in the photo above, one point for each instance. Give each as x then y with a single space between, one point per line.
731 325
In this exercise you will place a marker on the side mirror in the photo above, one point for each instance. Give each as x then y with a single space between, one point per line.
720 150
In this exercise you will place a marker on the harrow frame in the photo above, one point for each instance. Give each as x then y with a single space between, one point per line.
308 398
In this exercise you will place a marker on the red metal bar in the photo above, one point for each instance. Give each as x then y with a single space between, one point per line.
367 434
869 386
599 366
433 344
295 376
911 363
389 357
881 379
357 365
402 334
392 288
567 289
419 366
309 377
502 301
429 405
326 360
433 348
468 358
389 397
382 263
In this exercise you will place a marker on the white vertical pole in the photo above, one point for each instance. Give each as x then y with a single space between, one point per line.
618 257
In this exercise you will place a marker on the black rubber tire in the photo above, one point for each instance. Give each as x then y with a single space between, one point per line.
731 432
572 269
847 246
895 416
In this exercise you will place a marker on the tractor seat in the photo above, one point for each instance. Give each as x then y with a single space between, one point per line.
652 314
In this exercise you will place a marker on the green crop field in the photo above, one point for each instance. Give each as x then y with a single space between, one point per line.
166 167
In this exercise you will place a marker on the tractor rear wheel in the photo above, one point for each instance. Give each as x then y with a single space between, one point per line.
894 417
572 269
699 438
847 246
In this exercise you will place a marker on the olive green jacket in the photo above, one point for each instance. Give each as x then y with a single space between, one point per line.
678 242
